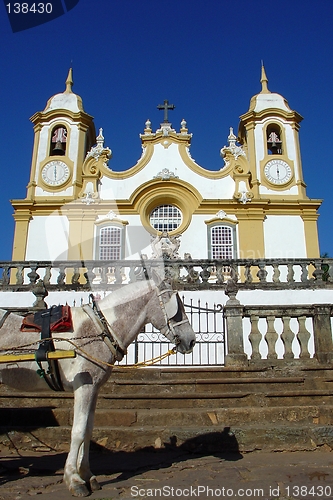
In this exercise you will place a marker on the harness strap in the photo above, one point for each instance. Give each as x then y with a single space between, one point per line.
100 322
52 376
3 319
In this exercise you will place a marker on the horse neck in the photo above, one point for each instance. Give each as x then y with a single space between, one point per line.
127 310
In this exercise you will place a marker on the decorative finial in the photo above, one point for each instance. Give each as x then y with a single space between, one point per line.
147 130
69 81
263 80
100 139
183 124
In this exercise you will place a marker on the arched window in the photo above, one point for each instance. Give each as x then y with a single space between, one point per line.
110 243
222 243
58 141
166 218
274 142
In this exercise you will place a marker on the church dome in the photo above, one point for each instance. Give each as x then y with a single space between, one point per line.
67 99
266 99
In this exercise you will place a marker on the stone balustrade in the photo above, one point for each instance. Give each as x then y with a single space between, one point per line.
187 274
276 332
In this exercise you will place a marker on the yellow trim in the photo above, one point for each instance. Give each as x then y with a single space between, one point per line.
311 234
218 220
174 192
141 163
107 221
192 165
22 218
251 234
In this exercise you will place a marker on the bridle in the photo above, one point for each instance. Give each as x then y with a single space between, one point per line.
170 323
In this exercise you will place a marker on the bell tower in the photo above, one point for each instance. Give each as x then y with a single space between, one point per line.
286 217
269 133
63 135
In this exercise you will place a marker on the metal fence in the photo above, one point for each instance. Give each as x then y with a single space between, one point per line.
209 325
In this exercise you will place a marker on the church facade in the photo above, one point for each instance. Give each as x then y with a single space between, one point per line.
78 208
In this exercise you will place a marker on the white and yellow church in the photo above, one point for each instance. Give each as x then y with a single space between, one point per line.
78 208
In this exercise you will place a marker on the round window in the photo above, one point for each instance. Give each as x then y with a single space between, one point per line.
166 218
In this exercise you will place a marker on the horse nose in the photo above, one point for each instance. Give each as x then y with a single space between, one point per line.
192 344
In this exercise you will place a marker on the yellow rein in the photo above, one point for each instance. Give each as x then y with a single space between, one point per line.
11 358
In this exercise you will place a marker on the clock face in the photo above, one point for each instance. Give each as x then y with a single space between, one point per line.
55 173
277 172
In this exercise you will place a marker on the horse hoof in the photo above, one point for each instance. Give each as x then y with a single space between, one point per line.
94 484
80 490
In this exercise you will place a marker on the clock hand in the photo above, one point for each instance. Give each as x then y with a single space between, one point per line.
278 172
55 172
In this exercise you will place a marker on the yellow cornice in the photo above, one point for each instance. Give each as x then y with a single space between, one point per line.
250 116
218 220
81 116
153 189
172 137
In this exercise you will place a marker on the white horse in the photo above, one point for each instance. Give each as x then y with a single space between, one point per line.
126 311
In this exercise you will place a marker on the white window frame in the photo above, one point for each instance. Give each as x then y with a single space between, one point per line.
163 217
225 246
116 248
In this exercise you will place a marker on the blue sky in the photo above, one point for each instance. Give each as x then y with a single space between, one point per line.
203 56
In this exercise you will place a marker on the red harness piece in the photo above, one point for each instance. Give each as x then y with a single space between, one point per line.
60 320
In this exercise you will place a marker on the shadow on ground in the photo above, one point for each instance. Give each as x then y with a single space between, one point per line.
126 464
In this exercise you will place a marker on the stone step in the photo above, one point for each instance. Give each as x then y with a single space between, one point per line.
32 418
279 397
217 438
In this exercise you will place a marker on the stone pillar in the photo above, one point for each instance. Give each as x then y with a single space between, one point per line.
234 322
322 332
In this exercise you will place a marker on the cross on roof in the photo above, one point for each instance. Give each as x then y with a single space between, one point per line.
166 106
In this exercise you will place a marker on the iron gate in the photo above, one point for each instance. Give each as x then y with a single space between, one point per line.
209 326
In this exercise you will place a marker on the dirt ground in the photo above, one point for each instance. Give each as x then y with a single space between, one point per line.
174 474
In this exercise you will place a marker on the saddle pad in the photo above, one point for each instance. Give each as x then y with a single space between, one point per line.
60 320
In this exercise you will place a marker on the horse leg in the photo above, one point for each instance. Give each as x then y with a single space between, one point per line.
77 475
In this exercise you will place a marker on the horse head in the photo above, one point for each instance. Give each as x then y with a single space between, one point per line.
170 318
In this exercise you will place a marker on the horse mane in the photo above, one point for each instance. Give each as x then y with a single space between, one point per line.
128 293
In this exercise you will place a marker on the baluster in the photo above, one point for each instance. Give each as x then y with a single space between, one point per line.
219 274
271 337
76 276
19 275
247 273
318 272
330 272
47 275
205 274
262 273
5 275
291 273
118 275
276 273
303 337
287 338
304 275
62 275
233 272
33 275
133 274
255 337
89 274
